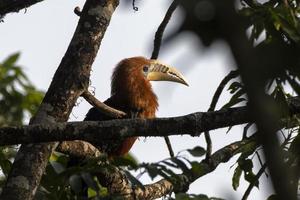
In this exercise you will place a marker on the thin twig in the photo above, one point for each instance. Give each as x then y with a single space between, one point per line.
31 160
134 7
101 106
233 74
212 107
160 31
208 144
252 184
157 43
246 128
168 142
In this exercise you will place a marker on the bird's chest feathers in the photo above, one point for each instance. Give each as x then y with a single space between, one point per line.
140 98
144 102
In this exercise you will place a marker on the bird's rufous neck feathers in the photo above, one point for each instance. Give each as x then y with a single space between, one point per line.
131 86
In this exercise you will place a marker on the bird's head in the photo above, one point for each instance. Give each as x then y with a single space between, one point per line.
136 70
131 82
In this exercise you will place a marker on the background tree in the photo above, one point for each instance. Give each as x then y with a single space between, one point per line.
267 61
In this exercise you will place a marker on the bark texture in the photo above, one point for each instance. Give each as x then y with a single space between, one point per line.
255 72
119 186
193 124
69 81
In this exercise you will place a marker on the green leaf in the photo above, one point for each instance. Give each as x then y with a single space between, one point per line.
58 167
170 164
197 151
295 85
247 150
201 197
11 60
134 181
181 165
236 98
90 182
18 96
197 169
281 100
5 165
92 193
127 160
152 171
236 177
235 86
182 196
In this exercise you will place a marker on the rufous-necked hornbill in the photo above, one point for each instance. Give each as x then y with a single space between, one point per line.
131 92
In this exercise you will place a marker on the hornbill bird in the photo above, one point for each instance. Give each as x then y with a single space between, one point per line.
131 92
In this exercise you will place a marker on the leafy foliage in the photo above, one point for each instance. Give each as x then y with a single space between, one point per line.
183 196
19 99
274 32
17 94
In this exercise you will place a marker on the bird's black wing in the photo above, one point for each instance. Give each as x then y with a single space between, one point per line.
95 114
115 147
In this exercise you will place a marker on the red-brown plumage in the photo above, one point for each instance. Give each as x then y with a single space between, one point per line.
132 93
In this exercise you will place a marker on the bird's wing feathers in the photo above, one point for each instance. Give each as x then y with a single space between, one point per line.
115 148
95 114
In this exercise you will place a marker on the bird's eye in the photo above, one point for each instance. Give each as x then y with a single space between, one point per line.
145 69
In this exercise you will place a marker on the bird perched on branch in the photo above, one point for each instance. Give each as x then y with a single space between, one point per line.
131 92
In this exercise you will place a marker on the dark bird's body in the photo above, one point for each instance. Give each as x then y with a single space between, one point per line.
131 92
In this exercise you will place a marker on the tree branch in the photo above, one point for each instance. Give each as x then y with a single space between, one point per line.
193 124
253 183
212 107
160 31
255 71
69 81
157 43
7 6
119 184
105 109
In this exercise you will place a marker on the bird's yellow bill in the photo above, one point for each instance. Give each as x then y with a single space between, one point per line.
161 72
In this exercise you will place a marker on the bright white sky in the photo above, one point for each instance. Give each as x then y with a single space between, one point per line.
43 33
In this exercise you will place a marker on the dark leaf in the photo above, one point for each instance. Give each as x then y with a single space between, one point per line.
233 102
90 182
182 196
5 165
236 177
127 160
181 165
197 151
235 86
152 171
134 181
75 182
197 169
11 60
246 165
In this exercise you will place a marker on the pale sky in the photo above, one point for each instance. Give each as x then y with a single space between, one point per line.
43 33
